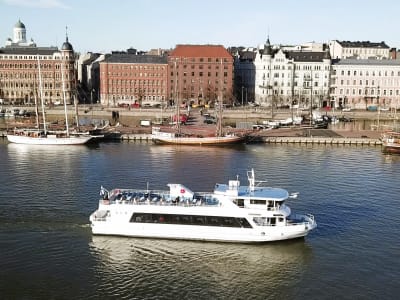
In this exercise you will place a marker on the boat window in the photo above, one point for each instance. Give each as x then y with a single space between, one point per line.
239 202
199 220
257 201
263 221
260 221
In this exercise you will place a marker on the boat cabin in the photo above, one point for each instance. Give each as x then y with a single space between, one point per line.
268 204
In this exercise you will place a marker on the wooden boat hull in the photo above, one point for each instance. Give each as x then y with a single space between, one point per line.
391 142
226 140
391 148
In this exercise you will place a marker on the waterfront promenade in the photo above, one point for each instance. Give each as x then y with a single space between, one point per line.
128 123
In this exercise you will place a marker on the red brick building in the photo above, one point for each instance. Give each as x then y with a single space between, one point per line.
128 78
200 74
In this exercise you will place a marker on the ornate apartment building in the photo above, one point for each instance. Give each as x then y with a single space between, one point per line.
286 78
129 78
27 71
201 74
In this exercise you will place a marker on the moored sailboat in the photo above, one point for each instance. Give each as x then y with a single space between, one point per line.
178 138
42 136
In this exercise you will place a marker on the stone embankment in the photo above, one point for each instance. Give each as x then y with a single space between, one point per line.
128 124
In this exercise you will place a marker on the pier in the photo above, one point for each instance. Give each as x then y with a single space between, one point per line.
136 137
319 140
322 141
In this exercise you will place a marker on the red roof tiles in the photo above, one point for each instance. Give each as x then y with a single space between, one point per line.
200 51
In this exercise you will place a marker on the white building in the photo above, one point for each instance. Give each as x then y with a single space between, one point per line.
358 50
284 78
359 84
19 37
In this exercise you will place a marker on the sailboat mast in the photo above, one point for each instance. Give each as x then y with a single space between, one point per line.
37 112
64 96
41 96
77 113
220 103
178 113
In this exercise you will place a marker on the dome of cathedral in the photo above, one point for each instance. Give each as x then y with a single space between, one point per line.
19 24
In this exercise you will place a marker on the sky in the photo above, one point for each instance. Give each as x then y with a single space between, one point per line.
106 25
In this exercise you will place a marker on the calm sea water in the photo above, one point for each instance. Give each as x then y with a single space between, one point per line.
47 250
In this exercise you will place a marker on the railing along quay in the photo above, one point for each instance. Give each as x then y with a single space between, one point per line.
322 141
136 137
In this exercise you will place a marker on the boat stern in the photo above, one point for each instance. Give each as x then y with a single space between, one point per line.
310 222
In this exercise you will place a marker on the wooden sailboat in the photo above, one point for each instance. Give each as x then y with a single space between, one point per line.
177 138
40 136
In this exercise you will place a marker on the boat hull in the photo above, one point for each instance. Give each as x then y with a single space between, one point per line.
48 140
391 148
106 222
226 140
391 142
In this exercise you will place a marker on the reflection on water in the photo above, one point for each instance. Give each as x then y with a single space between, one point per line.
52 150
207 268
362 124
47 250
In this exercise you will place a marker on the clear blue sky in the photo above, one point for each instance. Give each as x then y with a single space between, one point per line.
105 25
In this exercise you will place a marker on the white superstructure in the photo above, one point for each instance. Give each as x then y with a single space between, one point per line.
232 213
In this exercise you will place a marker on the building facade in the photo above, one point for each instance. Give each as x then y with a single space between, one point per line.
358 83
244 79
358 50
287 78
28 71
130 78
200 74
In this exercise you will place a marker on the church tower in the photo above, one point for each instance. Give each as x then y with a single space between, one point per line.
19 33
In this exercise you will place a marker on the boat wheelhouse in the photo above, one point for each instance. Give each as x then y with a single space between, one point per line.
231 213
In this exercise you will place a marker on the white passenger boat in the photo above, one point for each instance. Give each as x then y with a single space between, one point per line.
231 213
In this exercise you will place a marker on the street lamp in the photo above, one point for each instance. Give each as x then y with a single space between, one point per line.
242 95
379 107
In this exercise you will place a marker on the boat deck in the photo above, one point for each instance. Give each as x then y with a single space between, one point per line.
140 197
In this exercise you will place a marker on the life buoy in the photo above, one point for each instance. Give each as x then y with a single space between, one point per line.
183 191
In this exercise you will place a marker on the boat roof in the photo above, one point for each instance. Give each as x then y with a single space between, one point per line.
259 192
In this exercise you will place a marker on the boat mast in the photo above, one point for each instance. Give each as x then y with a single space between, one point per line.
219 112
41 96
37 112
64 96
178 117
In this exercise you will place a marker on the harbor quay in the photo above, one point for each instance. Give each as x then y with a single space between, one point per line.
129 122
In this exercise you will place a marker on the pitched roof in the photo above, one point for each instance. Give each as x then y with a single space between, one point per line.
367 62
200 51
362 44
29 50
310 56
136 59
